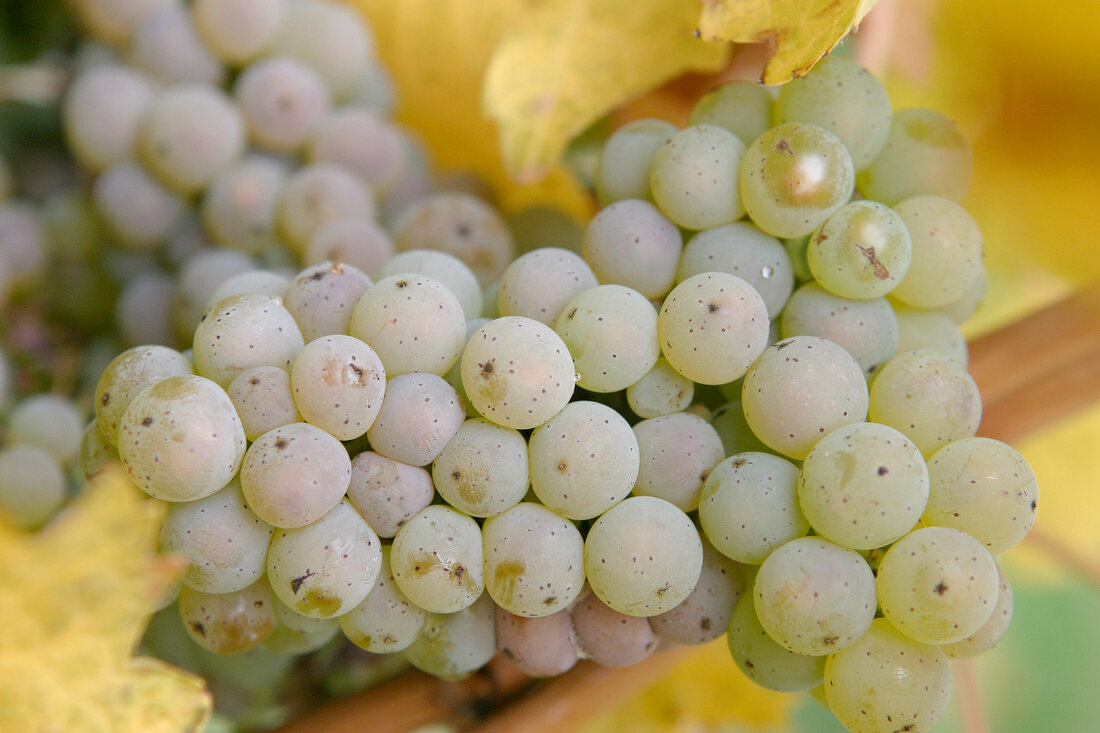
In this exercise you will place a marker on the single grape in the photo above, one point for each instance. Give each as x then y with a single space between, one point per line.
947 252
749 506
332 39
263 399
98 133
539 283
863 486
180 438
167 46
364 142
584 460
483 470
815 597
862 251
694 177
339 385
386 492
318 194
930 329
992 630
800 389
632 243
793 177
543 646
283 101
239 206
985 488
323 296
643 556
611 638
294 474
743 108
326 568
763 660
228 623
452 646
32 486
676 454
886 682
712 326
245 331
447 269
626 158
662 391
135 209
386 621
238 31
420 415
437 560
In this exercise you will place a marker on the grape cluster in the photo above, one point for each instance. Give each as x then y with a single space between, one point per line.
738 405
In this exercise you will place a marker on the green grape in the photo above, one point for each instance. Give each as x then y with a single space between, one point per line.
845 99
801 388
793 177
126 375
992 630
32 486
483 470
323 296
705 614
930 329
611 332
167 46
887 682
252 282
925 153
534 560
694 177
626 158
325 569
737 437
264 399
229 623
238 32
815 597
712 326
283 101
199 276
863 486
643 556
517 372
662 391
937 585
947 252
544 646
962 309
743 108
677 453
861 252
295 633
763 660
388 493
318 194
927 396
245 331
339 385
330 38
447 269
52 422
539 283
743 250
135 209
867 329
632 243
365 143
985 488
386 620
239 206
98 132
420 415
438 560
454 645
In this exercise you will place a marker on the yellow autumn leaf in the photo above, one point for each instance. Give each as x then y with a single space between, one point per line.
799 31
547 82
75 601
501 87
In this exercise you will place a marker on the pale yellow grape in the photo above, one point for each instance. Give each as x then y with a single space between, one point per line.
694 177
517 372
167 46
763 660
483 470
99 133
743 108
420 414
318 194
296 634
584 460
263 399
742 249
245 331
338 384
677 453
887 682
749 506
454 374
712 326
985 488
928 396
947 252
662 391
412 322
937 585
815 597
862 251
539 283
129 373
294 474
793 177
622 171
386 620
800 389
450 271
925 153
863 486
223 541
326 568
331 38
50 421
180 438
239 205
534 560
611 331
737 437
283 100
962 309
228 623
643 556
992 630
867 329
32 486
452 646
930 329
238 31
438 561
632 243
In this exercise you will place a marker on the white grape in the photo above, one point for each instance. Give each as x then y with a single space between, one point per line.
339 385
483 470
437 560
420 415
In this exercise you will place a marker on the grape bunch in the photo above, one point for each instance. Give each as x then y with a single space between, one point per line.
738 404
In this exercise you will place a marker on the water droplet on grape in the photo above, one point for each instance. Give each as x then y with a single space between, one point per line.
767 271
577 377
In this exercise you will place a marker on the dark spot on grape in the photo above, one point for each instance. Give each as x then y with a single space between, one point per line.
782 345
882 471
551 600
105 399
487 368
749 664
254 381
508 653
940 588
738 462
198 628
572 313
297 582
281 443
830 640
147 421
784 147
880 270
463 230
704 623
456 475
316 276
257 604
402 283
1034 504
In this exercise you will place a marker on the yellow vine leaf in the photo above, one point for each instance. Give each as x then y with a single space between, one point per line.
75 600
500 88
799 31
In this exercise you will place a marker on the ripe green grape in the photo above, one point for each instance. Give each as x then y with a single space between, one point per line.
743 108
483 470
632 243
622 171
438 560
765 661
386 620
947 252
862 251
339 385
420 415
677 453
694 177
